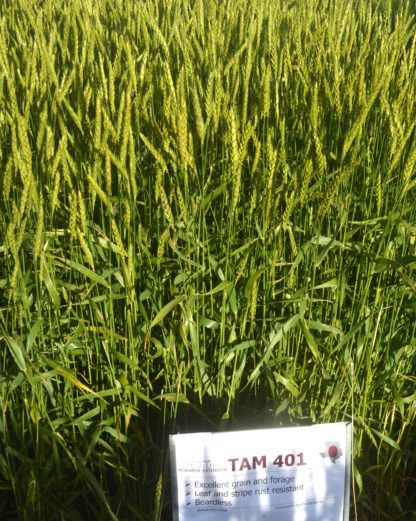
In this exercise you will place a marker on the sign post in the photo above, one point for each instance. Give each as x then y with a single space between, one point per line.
289 474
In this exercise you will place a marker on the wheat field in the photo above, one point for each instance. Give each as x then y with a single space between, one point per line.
207 221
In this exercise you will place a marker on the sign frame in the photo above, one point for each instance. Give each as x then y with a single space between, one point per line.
198 445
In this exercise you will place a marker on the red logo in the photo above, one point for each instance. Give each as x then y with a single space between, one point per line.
332 451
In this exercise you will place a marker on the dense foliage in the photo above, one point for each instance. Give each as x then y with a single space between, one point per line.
207 221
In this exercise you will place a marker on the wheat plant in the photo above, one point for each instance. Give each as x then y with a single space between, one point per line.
207 221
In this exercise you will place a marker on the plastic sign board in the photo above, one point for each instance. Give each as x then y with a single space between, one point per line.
289 474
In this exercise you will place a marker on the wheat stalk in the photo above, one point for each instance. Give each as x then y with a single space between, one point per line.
235 161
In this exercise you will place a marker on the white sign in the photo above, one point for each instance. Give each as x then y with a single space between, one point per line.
289 474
